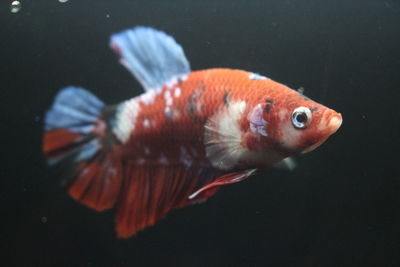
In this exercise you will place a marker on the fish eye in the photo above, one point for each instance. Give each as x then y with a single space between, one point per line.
301 117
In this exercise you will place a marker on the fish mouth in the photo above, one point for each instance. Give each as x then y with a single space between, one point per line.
334 121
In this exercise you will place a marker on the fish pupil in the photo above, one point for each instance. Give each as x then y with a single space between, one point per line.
301 117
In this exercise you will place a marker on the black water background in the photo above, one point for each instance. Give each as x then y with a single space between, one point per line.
341 207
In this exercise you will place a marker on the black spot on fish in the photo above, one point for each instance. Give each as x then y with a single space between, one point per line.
227 98
268 105
314 109
193 113
301 90
191 108
199 120
109 114
192 104
194 98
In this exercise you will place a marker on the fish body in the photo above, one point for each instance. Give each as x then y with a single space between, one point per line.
188 134
177 115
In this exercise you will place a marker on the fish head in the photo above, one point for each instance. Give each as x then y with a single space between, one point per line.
302 124
290 123
323 123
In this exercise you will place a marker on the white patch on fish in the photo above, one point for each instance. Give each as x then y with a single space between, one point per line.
146 123
223 136
126 119
177 92
167 112
256 76
174 80
290 135
148 97
168 98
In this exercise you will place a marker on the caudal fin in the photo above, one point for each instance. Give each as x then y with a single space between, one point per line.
77 140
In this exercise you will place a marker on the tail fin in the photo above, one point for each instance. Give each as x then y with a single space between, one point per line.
77 138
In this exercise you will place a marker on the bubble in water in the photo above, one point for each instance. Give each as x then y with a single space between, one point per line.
62 1
15 6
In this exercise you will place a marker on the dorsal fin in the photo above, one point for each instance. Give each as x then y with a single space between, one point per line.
150 192
152 56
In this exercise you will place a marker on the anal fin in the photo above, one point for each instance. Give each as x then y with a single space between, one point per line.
149 192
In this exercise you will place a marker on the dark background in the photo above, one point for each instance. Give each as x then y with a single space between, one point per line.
340 207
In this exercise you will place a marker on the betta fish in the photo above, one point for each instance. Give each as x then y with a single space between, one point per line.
187 135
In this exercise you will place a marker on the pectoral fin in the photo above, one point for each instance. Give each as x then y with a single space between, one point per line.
225 179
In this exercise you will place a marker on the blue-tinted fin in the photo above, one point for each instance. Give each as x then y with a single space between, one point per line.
75 109
79 144
152 56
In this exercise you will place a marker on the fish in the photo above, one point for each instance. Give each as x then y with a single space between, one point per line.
187 135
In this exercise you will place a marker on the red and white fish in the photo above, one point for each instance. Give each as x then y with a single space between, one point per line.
189 133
